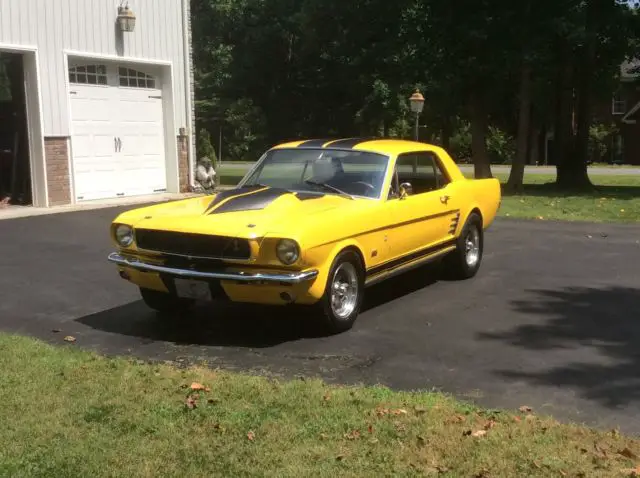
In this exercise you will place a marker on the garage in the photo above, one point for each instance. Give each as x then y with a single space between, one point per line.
117 130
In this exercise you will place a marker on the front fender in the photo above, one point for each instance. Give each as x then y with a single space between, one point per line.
322 257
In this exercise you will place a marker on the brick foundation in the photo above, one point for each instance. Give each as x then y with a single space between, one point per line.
183 163
56 156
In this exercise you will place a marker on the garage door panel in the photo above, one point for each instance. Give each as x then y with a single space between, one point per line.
102 113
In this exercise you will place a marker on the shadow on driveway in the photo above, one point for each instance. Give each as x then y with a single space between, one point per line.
243 325
602 324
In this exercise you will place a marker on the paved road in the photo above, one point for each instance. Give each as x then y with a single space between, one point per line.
552 320
240 167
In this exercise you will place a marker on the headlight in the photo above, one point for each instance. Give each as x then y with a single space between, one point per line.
124 235
287 251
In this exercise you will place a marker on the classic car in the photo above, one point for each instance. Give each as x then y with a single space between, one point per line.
312 223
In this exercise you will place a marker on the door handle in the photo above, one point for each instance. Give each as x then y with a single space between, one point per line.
119 144
444 199
115 144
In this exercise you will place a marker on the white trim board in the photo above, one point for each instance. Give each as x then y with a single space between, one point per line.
625 119
35 121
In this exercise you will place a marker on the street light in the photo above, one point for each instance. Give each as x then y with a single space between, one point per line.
417 104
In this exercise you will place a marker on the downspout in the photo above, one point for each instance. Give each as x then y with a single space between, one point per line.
188 86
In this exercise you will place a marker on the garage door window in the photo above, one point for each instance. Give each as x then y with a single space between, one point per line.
135 79
88 75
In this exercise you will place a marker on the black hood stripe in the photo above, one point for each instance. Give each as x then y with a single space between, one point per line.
349 143
313 143
231 193
251 202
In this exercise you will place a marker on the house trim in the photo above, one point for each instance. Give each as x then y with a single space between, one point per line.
35 121
626 118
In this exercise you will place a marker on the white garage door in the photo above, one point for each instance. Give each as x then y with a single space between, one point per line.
117 137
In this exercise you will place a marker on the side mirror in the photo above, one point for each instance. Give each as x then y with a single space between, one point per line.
405 190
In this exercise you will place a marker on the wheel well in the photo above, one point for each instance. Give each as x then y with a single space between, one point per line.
477 211
358 253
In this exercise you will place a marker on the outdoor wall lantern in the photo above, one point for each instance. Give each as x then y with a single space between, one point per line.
126 18
417 104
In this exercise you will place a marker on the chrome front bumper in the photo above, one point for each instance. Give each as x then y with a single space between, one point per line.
292 278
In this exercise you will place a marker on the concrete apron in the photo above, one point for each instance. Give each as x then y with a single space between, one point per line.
14 212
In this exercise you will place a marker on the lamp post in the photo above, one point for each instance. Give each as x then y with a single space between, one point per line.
417 104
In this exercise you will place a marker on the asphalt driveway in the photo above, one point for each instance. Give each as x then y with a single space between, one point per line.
552 320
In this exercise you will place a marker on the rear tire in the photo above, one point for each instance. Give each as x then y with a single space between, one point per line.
344 293
165 303
464 262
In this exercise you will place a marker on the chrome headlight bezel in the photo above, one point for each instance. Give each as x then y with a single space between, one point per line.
123 235
287 251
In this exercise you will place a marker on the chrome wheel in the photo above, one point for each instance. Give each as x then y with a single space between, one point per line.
472 247
344 290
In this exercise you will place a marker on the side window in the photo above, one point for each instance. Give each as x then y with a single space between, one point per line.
422 171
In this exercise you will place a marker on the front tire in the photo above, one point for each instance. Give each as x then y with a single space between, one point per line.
165 303
464 262
344 292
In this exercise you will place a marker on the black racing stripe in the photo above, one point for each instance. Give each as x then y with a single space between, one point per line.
307 196
229 193
349 143
251 202
409 258
313 143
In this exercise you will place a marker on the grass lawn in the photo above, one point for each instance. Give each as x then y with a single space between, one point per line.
616 200
67 413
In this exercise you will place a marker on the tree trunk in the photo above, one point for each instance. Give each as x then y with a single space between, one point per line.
479 127
534 145
562 128
516 176
572 173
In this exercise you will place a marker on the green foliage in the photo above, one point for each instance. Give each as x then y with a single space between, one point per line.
600 141
275 70
204 148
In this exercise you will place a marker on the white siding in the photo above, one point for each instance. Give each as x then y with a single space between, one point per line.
89 26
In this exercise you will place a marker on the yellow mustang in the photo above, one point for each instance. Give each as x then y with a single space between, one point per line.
314 222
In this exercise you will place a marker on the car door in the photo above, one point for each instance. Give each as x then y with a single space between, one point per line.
424 216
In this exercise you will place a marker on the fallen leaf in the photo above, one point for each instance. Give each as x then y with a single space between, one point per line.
517 419
479 433
326 397
489 425
562 472
399 411
69 338
381 412
370 428
540 217
251 435
323 436
191 402
419 409
219 428
373 441
536 464
340 457
421 440
632 472
197 387
484 473
56 331
456 419
352 435
213 401
525 409
627 453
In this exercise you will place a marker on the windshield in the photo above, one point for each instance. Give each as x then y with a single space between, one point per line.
327 171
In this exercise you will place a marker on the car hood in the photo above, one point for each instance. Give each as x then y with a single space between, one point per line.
241 212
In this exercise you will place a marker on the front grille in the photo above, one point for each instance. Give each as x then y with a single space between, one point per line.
197 245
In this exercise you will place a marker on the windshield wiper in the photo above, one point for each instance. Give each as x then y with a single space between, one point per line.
328 187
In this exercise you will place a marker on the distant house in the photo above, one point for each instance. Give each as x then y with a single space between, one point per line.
621 110
625 111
